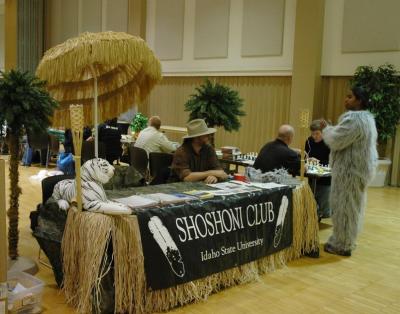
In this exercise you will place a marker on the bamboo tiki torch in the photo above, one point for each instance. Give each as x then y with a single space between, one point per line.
304 123
3 239
76 114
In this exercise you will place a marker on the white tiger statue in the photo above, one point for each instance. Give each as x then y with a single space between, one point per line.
94 173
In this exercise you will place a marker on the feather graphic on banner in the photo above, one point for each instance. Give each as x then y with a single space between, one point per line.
167 245
280 220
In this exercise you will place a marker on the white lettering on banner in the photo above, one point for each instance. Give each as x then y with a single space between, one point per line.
227 250
207 255
271 214
210 224
218 222
221 221
245 245
197 218
212 254
182 231
250 224
190 226
258 214
229 218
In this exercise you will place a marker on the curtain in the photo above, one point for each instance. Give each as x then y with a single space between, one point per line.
334 90
395 174
30 34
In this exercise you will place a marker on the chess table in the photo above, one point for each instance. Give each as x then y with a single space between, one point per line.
243 160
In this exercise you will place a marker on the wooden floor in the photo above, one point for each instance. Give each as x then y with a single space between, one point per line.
367 282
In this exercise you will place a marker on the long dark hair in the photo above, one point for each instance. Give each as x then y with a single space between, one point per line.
361 95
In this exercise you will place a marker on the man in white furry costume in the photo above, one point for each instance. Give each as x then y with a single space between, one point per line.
353 161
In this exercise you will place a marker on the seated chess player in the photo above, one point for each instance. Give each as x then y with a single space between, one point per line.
152 140
277 154
196 159
316 149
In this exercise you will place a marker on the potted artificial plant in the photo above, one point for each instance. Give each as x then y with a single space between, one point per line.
24 104
139 122
218 105
383 87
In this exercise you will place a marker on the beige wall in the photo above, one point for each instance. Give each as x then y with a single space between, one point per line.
334 90
207 37
366 20
266 103
10 36
66 19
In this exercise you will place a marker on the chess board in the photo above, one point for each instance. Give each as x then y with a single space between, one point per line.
247 158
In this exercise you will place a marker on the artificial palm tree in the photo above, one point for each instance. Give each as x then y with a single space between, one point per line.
25 105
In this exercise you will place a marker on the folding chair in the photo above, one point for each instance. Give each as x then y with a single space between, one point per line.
160 164
139 160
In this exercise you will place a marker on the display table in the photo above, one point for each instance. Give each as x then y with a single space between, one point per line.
127 140
90 240
315 176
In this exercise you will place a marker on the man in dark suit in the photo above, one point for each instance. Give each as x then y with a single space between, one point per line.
277 154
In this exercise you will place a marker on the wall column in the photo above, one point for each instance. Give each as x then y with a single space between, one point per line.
137 18
137 13
306 76
10 36
30 34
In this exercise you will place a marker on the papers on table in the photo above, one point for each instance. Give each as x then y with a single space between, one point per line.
148 200
235 187
137 201
242 183
164 198
224 185
267 185
221 189
201 194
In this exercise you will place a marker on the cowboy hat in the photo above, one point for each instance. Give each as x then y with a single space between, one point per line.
198 127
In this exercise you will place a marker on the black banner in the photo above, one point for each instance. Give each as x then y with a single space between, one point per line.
184 242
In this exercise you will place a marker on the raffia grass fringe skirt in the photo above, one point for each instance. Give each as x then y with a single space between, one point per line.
87 236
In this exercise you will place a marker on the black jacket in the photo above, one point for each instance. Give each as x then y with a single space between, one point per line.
320 151
276 155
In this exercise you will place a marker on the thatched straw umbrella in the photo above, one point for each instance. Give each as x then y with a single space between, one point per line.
111 69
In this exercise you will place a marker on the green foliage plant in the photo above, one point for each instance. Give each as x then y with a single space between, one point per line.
139 122
218 105
383 87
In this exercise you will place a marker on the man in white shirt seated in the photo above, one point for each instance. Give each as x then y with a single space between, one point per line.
152 140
